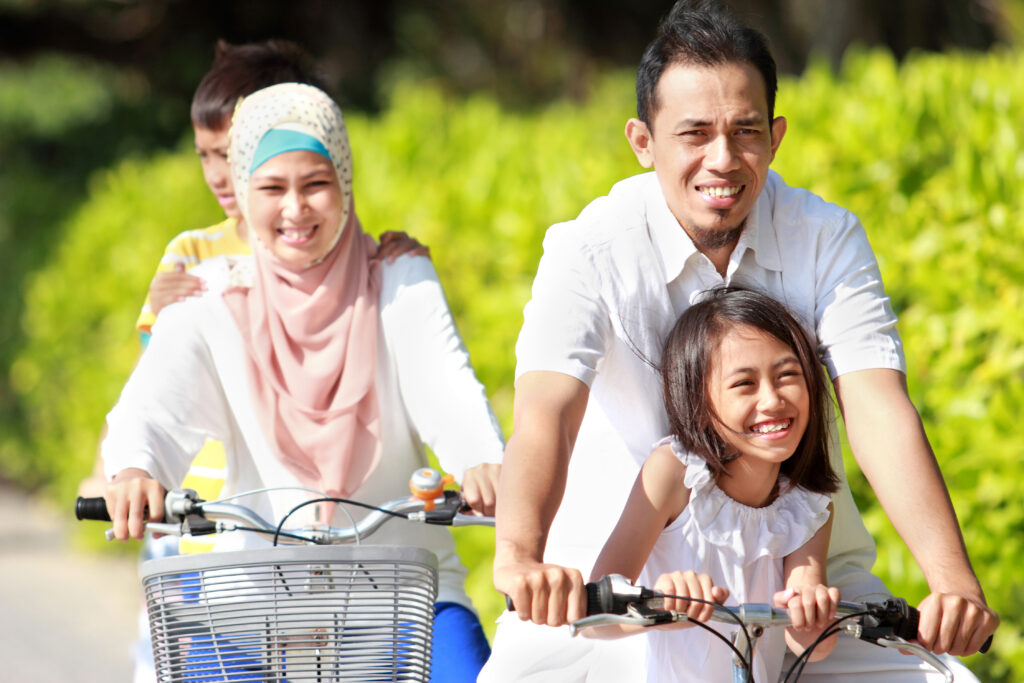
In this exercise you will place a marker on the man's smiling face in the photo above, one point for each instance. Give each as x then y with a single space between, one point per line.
710 143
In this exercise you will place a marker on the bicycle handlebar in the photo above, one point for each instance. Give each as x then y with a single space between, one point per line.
186 513
614 599
91 508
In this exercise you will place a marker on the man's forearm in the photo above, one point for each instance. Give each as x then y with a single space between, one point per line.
532 482
548 410
890 445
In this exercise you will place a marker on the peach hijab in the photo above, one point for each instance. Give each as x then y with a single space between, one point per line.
310 332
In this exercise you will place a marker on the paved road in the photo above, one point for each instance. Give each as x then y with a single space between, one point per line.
64 615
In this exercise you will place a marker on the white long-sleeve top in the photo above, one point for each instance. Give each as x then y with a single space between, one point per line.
191 384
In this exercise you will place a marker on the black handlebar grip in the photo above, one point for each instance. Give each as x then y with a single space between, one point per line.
600 598
907 626
91 508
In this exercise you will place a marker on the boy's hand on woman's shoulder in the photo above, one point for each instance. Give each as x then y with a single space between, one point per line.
395 243
173 286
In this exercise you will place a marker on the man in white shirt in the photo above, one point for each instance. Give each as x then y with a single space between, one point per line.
608 288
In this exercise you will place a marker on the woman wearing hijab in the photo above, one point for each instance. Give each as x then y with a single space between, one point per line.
314 365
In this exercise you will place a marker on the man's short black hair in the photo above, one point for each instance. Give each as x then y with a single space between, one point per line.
703 33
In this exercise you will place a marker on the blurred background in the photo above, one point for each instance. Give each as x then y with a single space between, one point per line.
475 124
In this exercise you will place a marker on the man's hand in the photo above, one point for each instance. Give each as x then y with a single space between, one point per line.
955 624
172 286
888 440
545 594
133 498
547 413
395 243
480 488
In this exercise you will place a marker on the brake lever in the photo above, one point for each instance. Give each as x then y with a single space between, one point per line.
637 614
919 650
152 528
605 620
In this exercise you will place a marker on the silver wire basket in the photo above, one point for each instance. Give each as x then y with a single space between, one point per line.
293 613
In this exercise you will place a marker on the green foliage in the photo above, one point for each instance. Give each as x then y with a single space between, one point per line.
481 185
60 118
81 310
927 153
50 94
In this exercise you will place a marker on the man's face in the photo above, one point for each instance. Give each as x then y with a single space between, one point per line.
710 144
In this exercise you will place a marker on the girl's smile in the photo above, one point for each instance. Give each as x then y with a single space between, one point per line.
774 429
759 394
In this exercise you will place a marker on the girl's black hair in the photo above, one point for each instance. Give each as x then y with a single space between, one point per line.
686 366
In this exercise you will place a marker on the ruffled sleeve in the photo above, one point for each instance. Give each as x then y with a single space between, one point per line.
749 533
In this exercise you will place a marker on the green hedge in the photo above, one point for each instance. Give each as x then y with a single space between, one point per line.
927 153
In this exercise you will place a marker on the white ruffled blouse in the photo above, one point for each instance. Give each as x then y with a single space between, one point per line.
742 549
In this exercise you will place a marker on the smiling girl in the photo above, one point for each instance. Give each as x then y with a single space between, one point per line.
734 503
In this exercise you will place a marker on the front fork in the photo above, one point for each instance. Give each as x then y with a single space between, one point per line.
740 673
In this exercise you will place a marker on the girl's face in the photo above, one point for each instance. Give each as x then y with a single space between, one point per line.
758 391
295 206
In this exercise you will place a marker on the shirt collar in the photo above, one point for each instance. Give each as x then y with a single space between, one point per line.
760 235
675 247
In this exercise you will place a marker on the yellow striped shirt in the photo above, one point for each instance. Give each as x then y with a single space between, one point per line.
190 248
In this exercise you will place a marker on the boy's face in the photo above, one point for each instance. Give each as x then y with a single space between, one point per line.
212 148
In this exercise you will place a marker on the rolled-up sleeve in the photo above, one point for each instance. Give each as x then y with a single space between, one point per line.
856 324
566 325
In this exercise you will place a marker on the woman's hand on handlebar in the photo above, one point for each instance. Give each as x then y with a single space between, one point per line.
480 488
133 498
690 584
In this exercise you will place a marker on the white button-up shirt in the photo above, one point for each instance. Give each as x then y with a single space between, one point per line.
611 284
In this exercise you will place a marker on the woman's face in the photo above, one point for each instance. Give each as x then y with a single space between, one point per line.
295 206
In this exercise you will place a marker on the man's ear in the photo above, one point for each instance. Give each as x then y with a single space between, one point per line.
778 131
641 141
